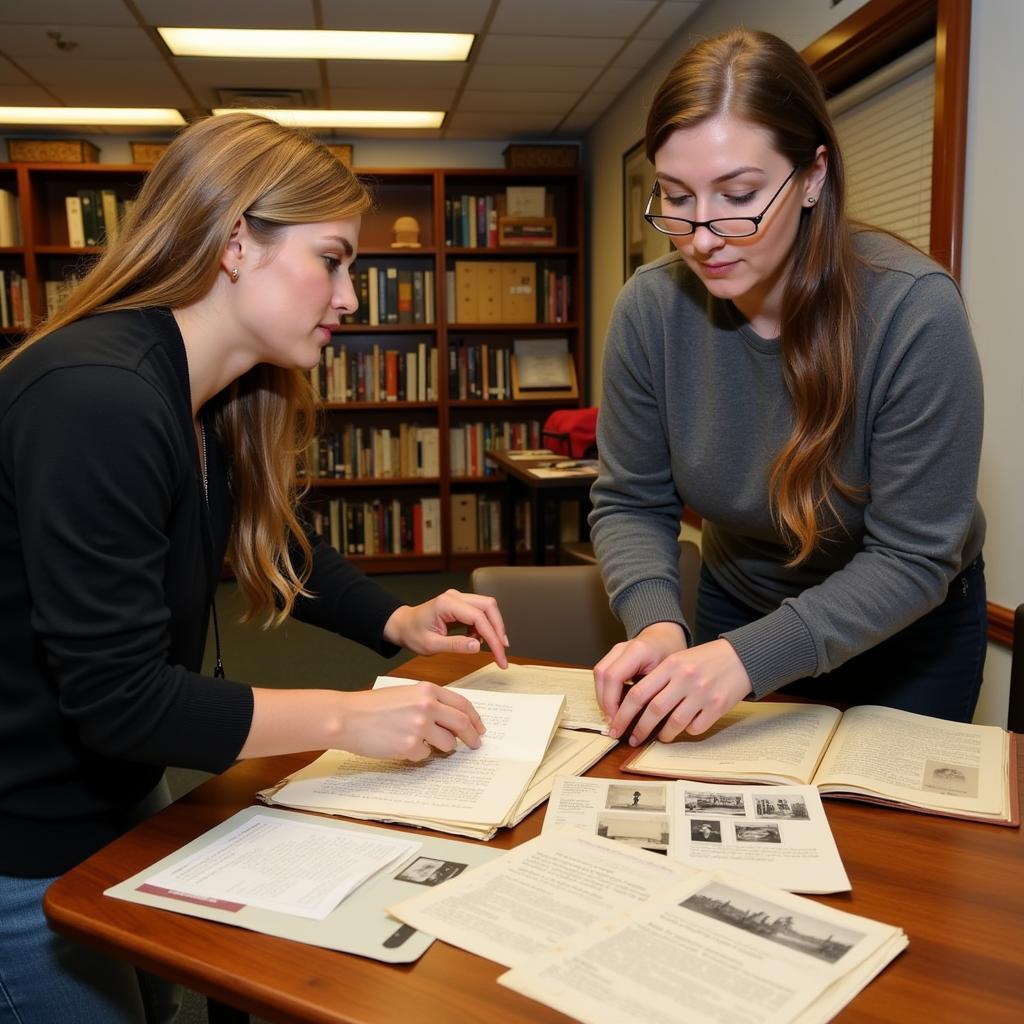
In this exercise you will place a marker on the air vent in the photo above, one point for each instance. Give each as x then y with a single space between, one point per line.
270 98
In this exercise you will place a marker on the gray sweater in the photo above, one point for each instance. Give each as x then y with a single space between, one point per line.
694 410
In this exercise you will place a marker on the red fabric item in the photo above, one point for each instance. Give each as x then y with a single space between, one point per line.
571 432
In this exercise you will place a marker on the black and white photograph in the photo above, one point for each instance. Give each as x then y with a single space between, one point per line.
792 807
645 831
943 777
639 797
430 871
705 831
758 834
708 801
751 913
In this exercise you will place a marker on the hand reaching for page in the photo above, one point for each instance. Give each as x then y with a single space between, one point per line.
687 692
423 628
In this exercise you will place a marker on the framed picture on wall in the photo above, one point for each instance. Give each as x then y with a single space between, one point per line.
641 243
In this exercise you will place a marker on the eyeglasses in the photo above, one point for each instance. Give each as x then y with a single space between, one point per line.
725 227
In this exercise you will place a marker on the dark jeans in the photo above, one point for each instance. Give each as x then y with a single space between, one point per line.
933 667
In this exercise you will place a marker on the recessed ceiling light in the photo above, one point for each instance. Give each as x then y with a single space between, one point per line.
128 116
345 118
316 44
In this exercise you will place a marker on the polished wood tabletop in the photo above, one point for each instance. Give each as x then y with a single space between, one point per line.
955 887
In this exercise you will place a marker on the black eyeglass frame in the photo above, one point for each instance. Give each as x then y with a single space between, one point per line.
710 224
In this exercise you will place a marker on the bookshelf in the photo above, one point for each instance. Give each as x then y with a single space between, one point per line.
412 392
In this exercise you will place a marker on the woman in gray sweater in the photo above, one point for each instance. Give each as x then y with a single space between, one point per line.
812 390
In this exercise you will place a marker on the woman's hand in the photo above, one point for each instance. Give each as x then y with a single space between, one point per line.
689 691
632 658
423 628
407 722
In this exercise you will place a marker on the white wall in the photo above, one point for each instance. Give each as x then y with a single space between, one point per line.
991 250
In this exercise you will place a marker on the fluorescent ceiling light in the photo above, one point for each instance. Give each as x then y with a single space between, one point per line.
128 116
316 44
345 118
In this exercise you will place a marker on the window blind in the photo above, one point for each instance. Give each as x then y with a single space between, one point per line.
885 128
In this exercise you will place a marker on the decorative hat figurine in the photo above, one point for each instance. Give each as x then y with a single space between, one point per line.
407 233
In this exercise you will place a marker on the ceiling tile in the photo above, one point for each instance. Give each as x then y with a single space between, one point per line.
530 51
477 101
614 81
638 53
613 18
577 123
396 98
667 20
64 12
508 76
10 75
406 15
24 96
225 13
249 74
123 82
32 41
372 74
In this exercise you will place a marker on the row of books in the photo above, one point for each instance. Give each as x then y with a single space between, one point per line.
472 221
57 291
509 292
376 374
468 444
381 527
10 218
476 523
479 370
94 216
390 294
377 453
15 310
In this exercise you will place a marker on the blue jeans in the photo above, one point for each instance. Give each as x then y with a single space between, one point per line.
932 667
46 978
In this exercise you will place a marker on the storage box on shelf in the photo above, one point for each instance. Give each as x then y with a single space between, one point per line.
409 390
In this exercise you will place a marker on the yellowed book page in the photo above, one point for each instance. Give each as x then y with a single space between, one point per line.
710 950
918 760
576 684
754 742
543 892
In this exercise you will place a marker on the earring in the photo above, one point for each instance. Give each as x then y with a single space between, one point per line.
811 200
234 274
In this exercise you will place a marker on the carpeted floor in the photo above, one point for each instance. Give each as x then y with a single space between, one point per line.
296 656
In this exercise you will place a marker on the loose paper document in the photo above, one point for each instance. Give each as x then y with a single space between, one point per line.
294 867
359 924
779 836
517 454
715 948
545 891
868 752
475 788
577 686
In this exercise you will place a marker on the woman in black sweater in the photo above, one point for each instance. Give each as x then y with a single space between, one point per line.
153 425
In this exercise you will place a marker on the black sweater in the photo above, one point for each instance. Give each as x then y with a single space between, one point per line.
109 560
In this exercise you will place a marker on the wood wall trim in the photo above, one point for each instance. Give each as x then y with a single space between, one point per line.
1000 625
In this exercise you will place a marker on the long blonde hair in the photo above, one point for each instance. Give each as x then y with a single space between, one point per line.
759 78
168 253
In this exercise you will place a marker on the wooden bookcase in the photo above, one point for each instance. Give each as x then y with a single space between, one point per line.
470 419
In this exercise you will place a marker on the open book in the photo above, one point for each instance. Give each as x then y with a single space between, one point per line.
866 753
468 792
613 935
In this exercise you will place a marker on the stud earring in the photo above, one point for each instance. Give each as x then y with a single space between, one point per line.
811 200
234 274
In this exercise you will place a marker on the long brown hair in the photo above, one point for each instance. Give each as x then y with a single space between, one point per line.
168 253
759 78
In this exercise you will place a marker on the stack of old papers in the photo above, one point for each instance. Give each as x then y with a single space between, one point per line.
612 935
468 792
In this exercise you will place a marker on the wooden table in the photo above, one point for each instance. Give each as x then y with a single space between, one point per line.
955 887
540 493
